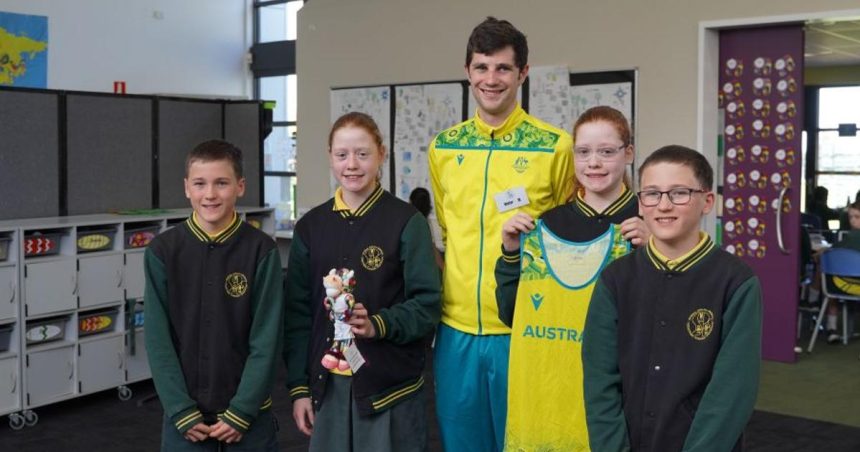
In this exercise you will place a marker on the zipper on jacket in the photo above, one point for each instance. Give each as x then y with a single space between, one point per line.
481 239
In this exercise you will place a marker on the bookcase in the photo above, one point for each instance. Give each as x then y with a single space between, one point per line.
71 305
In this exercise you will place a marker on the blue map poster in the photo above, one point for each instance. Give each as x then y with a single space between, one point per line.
23 50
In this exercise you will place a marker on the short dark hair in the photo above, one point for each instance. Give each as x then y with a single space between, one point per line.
681 155
213 150
493 35
420 198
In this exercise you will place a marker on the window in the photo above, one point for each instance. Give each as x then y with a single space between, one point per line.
837 158
276 26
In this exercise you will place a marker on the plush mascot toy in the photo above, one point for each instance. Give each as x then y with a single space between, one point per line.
338 302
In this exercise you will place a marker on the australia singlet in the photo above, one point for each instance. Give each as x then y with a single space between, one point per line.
546 410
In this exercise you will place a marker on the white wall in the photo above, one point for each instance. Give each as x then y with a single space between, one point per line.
197 47
349 43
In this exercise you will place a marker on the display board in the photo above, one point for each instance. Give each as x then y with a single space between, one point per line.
182 124
73 153
421 112
410 115
109 153
29 161
374 101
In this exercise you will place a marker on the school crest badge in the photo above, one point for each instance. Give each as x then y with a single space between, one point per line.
236 285
700 324
372 257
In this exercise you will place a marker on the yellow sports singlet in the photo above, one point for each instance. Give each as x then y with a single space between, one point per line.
546 411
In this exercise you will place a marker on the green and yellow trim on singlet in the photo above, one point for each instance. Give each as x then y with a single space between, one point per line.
383 401
218 237
345 211
611 209
684 262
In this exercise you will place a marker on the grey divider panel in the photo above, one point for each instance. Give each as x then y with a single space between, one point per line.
182 125
242 128
109 153
29 162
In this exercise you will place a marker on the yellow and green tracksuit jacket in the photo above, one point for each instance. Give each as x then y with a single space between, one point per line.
469 164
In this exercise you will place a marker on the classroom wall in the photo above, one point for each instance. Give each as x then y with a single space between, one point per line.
372 42
832 75
193 47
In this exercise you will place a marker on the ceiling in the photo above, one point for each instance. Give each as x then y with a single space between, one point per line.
832 43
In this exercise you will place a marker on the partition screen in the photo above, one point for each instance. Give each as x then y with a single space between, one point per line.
29 155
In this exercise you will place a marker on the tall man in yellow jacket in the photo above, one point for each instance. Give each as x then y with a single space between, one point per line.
484 170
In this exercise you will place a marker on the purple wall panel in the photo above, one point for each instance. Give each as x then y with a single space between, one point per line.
761 96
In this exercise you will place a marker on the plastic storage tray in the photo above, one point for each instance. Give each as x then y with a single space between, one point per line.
139 237
95 240
46 330
97 322
5 337
39 244
4 248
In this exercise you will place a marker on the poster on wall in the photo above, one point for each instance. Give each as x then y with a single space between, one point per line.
421 112
23 50
549 95
374 101
616 95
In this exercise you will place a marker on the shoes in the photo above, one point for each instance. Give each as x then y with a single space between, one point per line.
833 337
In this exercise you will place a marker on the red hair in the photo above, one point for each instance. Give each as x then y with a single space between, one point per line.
617 120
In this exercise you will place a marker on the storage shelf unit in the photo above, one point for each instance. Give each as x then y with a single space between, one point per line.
71 302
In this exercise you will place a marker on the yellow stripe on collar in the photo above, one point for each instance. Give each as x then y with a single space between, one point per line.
611 209
345 211
220 236
684 262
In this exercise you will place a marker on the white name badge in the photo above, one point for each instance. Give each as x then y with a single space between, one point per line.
511 199
353 357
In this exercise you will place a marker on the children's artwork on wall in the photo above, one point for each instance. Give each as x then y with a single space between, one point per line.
421 112
410 116
23 50
374 101
550 95
615 95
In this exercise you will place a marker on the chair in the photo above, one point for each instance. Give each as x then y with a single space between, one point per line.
836 262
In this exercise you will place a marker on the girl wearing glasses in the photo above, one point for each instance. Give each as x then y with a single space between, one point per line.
545 277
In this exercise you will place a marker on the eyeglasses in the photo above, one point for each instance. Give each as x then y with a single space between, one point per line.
583 154
677 196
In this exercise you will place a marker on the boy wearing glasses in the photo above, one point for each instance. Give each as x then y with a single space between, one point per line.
672 345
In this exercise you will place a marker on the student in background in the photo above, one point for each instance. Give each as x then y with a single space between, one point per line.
672 354
544 295
420 199
376 403
844 284
214 312
481 170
